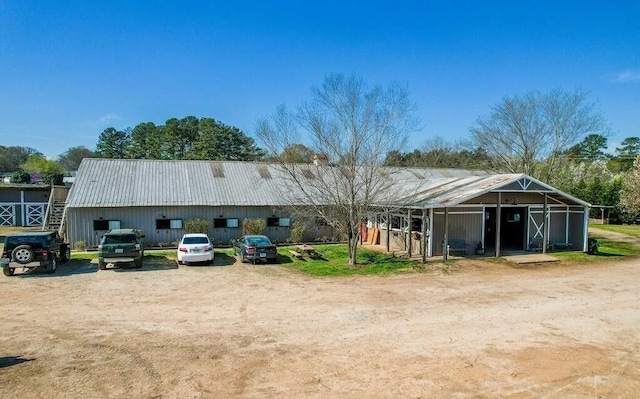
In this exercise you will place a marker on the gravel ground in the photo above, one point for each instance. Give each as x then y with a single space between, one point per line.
480 330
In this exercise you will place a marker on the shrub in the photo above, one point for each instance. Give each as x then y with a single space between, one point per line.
253 226
20 177
80 245
197 225
53 178
297 232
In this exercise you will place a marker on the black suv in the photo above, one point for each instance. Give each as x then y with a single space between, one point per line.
32 250
121 246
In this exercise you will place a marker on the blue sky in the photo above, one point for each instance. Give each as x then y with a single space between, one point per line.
69 69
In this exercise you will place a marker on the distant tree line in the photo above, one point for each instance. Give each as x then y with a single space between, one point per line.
186 138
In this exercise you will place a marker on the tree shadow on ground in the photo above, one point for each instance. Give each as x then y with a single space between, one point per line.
8 361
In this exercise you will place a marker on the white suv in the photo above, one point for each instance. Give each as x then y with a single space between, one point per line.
195 248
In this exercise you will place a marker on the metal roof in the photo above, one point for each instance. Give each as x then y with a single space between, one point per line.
133 182
440 193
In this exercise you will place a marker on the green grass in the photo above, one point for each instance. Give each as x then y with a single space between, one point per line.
628 229
607 250
335 260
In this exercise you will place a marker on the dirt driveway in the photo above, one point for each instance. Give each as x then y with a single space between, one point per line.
482 331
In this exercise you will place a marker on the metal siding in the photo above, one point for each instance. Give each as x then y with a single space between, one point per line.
80 222
557 226
464 226
32 193
9 195
576 230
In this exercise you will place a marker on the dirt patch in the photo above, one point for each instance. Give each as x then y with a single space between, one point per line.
476 330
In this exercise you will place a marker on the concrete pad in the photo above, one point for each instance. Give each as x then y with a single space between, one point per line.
531 258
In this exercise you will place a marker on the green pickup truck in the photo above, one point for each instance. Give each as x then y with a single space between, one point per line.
121 246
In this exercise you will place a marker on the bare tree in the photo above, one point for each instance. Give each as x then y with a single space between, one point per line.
523 131
350 127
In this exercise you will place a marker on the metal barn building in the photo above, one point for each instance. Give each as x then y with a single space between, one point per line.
159 196
23 204
471 212
429 206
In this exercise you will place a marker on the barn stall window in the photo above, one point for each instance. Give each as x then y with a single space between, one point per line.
102 224
278 222
221 223
166 224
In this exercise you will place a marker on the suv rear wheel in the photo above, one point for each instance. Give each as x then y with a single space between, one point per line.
23 254
53 265
65 254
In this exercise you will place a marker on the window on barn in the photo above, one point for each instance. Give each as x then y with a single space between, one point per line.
106 224
395 222
513 217
221 223
273 222
284 222
166 224
416 224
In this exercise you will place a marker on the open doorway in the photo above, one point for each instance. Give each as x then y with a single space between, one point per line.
489 229
512 228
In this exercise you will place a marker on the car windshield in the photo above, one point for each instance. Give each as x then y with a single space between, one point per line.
195 240
120 239
258 241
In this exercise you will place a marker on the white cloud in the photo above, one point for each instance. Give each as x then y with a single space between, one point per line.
628 76
108 118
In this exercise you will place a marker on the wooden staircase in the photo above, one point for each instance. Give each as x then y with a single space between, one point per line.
56 213
55 216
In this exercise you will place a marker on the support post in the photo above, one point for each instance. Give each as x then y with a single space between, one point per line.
545 231
430 246
388 229
498 223
423 236
445 244
483 228
410 246
23 210
585 238
566 227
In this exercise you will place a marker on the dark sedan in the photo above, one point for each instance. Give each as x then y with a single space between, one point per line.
255 248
